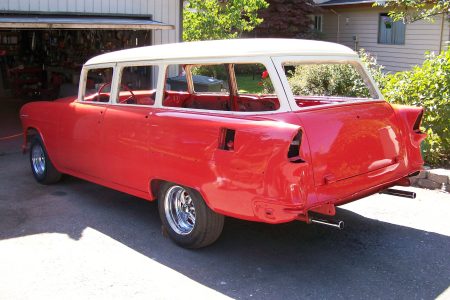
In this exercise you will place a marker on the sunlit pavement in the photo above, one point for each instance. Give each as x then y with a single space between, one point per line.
77 240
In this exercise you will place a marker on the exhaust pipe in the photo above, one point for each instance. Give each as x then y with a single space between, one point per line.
336 224
399 193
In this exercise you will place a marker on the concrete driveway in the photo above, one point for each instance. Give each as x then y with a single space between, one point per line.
77 240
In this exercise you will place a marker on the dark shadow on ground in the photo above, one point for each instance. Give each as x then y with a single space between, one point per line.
369 259
10 126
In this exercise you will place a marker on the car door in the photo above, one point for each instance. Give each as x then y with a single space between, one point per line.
80 131
127 127
126 146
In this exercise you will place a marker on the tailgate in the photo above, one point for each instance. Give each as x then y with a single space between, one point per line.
352 139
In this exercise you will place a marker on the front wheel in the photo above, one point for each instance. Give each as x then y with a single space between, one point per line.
43 170
188 220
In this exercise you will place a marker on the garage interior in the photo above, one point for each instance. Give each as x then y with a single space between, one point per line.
41 56
45 64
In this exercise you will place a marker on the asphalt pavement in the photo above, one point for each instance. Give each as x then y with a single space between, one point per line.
78 240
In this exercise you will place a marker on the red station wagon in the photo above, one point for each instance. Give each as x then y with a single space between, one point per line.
257 129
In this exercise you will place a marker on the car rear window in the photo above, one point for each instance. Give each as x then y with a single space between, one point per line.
338 81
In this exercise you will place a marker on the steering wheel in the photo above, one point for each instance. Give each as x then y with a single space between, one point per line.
102 97
130 100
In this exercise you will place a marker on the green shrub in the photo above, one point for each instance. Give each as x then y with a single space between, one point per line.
333 79
373 67
427 86
327 80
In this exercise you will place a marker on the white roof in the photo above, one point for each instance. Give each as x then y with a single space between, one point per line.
225 48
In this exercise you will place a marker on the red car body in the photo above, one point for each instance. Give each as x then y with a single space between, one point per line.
346 151
256 181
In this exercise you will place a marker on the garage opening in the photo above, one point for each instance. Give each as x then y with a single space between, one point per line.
41 56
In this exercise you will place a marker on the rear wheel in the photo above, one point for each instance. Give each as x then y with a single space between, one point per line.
43 170
188 220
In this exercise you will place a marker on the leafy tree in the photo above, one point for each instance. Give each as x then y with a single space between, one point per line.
287 18
410 11
220 19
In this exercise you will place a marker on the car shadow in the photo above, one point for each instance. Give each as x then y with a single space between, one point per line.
368 259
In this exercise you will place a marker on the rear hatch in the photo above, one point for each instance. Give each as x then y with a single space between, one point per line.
351 139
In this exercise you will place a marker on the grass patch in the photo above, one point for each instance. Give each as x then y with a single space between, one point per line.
247 84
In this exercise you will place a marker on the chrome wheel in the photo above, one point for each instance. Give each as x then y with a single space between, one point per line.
38 159
179 210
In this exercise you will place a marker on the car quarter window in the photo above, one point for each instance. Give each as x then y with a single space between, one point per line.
98 85
332 82
137 85
244 87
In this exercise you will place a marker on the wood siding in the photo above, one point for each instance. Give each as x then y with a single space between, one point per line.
166 11
363 24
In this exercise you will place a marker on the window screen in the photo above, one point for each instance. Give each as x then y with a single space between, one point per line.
390 32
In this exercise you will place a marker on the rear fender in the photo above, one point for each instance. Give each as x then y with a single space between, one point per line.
232 177
410 119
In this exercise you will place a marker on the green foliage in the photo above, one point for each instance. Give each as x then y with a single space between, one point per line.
371 65
427 86
410 11
213 19
288 19
249 84
335 79
214 71
327 80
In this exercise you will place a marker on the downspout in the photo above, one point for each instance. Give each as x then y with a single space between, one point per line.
442 33
180 34
338 34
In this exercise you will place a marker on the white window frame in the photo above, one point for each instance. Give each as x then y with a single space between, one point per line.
264 60
83 81
391 43
320 17
279 61
120 66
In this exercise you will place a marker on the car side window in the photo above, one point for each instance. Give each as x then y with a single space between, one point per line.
98 85
210 79
255 91
198 87
138 85
243 87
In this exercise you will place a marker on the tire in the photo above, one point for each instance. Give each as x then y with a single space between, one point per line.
43 170
187 219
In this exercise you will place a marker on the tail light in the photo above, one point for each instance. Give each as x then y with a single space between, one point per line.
416 127
294 149
226 139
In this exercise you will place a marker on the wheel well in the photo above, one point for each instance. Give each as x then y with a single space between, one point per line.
155 185
28 135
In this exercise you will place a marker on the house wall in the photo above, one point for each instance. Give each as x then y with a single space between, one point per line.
166 11
362 22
